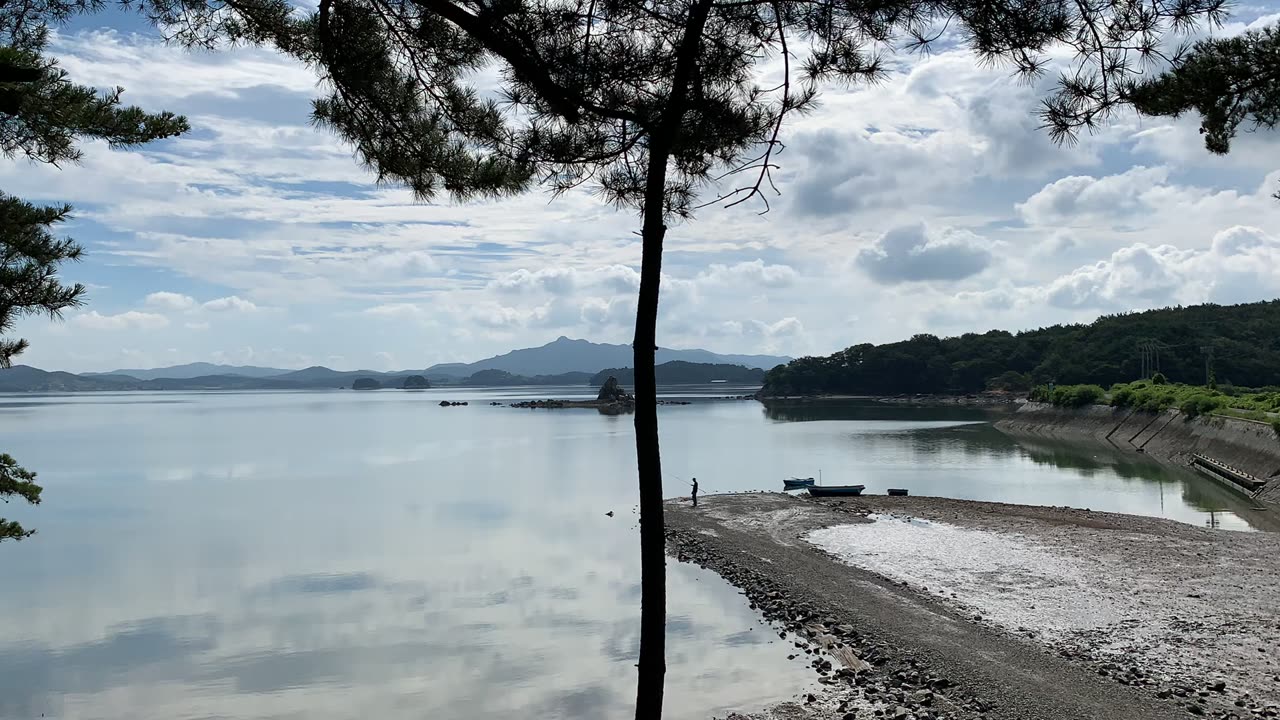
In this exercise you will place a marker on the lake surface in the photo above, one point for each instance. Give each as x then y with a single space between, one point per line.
344 554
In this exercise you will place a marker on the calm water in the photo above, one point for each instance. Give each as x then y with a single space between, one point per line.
339 554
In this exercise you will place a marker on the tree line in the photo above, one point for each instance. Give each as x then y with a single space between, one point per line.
1235 344
680 372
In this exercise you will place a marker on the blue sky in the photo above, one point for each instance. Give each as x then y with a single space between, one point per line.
928 203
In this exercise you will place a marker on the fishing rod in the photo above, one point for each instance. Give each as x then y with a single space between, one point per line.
702 488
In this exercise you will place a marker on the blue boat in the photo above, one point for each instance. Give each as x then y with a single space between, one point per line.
835 490
797 483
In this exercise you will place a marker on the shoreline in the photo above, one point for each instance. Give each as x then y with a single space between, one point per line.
1167 436
975 400
1107 616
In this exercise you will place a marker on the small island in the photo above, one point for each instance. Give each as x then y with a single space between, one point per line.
365 383
416 382
612 399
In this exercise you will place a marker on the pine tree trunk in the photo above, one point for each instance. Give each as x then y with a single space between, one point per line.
653 581
653 558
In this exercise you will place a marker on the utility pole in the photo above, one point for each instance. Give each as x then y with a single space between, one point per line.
1208 363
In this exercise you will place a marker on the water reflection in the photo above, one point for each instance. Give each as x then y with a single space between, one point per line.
335 555
856 409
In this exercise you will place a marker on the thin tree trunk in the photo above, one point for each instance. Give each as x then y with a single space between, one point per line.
653 585
653 559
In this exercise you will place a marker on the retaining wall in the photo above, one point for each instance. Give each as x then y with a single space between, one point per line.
1250 446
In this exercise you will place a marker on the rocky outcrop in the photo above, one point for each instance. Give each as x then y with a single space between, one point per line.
611 391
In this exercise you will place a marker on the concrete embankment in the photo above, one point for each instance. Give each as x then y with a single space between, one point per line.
1250 448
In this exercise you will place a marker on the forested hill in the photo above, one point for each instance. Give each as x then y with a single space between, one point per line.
679 372
1245 342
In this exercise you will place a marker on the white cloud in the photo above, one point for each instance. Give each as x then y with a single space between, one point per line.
1239 264
917 253
566 280
231 303
131 319
929 202
414 263
752 273
152 70
1083 199
786 327
170 301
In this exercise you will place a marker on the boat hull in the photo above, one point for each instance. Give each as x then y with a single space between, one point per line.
835 490
797 483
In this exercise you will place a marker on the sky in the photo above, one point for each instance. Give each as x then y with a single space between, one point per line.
930 202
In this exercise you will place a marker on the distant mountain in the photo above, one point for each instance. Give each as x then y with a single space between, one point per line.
562 362
565 356
194 370
24 378
319 373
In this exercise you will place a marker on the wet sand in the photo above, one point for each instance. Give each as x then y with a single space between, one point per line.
932 608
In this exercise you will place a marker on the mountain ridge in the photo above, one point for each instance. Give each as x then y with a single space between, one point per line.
560 356
565 355
187 371
537 366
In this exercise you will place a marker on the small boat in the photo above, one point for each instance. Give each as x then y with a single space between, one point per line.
797 483
835 490
898 492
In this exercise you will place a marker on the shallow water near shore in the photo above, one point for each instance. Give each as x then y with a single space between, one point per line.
331 554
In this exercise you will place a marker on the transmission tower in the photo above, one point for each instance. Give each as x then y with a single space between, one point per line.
1149 358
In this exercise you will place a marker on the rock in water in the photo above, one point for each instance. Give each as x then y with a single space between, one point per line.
611 391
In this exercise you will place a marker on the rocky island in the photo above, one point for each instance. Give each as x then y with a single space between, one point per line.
613 399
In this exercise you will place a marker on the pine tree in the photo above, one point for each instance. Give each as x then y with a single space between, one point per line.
42 115
654 104
1228 82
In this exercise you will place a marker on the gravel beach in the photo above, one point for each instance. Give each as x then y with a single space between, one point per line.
933 608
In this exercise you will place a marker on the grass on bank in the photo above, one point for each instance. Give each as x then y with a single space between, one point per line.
1156 395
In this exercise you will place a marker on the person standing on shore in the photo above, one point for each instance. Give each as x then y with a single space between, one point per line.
695 492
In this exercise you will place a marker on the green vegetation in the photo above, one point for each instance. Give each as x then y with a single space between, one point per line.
1228 81
1245 339
365 383
16 480
1149 396
415 382
679 372
495 378
1069 395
